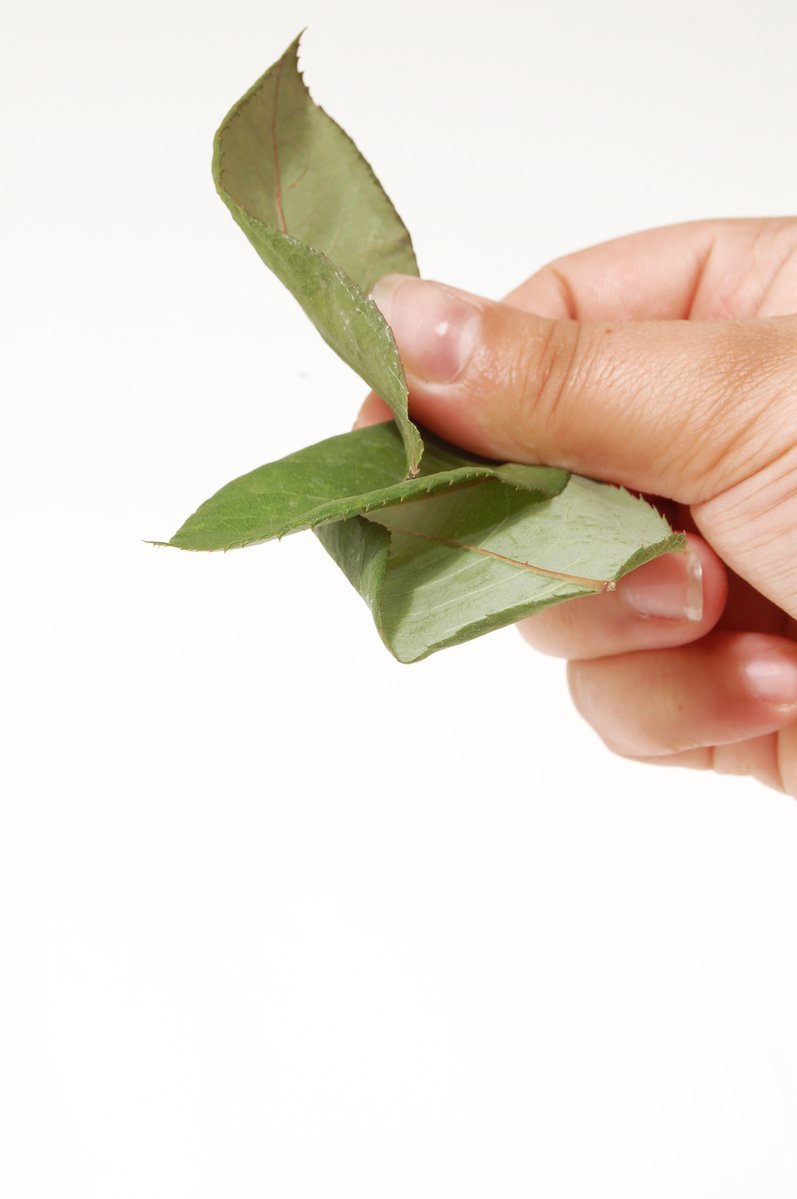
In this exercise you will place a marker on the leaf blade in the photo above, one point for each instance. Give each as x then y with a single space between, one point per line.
285 161
334 479
434 596
302 192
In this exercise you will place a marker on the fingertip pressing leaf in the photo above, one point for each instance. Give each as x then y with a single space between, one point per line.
316 214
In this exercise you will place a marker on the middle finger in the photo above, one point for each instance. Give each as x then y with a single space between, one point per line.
670 601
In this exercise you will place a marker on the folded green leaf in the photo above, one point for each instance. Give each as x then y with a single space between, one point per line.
463 545
453 566
345 475
314 211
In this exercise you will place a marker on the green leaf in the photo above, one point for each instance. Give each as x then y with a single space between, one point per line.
352 473
427 593
314 211
463 545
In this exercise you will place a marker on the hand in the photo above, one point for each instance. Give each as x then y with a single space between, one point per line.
667 362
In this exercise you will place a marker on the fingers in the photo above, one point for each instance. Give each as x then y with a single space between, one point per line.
685 409
697 270
373 412
671 601
764 758
652 275
726 688
692 270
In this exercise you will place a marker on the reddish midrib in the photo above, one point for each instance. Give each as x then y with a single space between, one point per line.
277 177
592 584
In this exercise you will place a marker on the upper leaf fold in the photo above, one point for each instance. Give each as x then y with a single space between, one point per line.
316 214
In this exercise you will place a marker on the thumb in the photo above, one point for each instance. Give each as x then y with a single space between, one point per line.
684 409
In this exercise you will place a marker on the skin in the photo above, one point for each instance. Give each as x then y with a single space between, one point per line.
665 361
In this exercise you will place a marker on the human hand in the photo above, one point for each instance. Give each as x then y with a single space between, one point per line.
667 362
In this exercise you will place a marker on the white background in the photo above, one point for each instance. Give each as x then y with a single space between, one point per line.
278 916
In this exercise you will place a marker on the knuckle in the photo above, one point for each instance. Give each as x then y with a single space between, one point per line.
543 376
558 631
744 411
625 723
593 704
773 262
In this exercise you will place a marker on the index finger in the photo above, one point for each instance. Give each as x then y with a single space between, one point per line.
706 270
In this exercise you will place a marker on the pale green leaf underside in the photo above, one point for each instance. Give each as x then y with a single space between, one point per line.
352 473
314 211
426 596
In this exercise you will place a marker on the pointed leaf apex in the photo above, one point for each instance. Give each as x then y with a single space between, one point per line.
313 209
